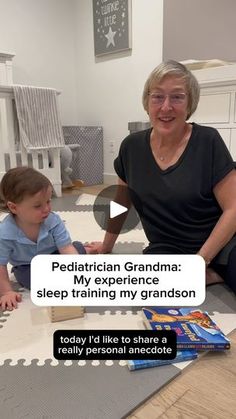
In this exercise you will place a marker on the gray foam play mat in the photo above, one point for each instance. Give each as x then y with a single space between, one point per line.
73 392
93 390
33 388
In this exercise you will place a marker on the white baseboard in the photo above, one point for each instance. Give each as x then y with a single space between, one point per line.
110 178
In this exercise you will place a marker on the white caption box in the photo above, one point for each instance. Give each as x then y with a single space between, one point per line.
128 280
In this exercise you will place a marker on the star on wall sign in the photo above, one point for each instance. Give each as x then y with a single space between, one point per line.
112 26
110 37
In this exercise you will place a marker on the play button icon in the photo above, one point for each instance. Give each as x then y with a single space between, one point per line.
113 210
116 209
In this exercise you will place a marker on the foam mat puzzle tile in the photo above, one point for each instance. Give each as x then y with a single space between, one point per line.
87 199
79 203
219 298
77 392
112 310
83 227
83 208
28 331
3 318
116 391
128 248
65 203
226 322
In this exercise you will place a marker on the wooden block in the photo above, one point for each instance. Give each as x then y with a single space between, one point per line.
57 314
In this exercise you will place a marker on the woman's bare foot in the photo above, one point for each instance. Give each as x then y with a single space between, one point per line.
212 277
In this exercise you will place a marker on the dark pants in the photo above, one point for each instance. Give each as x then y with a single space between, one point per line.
22 272
227 272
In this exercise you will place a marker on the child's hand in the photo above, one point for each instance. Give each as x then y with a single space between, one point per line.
93 248
9 300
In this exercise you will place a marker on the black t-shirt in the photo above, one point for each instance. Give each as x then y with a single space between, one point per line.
177 207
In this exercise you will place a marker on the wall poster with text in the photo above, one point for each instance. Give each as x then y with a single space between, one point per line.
112 26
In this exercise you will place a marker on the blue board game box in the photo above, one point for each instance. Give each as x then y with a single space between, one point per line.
184 355
194 328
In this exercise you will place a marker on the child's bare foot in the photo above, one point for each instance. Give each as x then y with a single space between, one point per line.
212 277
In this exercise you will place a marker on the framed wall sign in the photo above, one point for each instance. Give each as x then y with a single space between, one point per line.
112 26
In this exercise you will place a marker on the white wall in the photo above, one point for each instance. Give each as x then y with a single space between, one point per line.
110 88
42 35
53 43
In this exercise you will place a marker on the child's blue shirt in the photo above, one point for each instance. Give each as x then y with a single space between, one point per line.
17 249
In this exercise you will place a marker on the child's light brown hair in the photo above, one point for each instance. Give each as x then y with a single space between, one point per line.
19 182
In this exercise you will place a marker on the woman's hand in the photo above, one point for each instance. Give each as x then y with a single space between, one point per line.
10 300
94 248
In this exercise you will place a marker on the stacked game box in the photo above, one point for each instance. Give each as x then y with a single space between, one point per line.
194 328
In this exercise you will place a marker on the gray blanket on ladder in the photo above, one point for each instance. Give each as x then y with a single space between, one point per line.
38 117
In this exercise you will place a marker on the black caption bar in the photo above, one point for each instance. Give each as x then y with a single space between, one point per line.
114 344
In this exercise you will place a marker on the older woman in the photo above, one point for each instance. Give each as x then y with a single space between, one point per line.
182 176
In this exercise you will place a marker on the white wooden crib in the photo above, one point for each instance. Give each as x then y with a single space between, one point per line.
12 151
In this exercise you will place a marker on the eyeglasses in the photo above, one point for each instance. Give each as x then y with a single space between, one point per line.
174 98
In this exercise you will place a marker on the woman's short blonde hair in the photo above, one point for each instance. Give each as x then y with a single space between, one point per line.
173 68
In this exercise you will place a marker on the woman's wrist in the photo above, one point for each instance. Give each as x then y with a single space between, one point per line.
106 249
207 260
